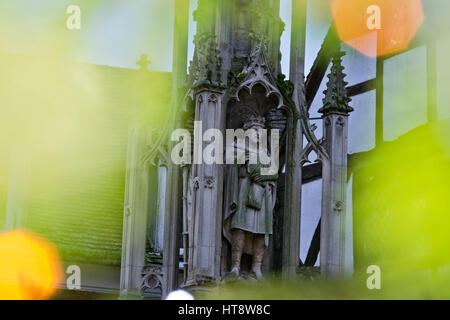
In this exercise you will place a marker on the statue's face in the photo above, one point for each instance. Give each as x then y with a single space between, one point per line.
253 125
257 126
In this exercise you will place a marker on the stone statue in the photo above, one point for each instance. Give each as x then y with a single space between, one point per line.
249 212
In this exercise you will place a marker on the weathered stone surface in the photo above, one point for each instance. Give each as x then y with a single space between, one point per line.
334 187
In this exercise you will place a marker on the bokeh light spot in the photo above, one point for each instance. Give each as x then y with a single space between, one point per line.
29 267
377 27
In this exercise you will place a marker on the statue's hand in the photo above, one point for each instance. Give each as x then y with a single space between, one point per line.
255 173
255 176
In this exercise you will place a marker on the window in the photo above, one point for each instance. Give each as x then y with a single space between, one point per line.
405 93
317 104
361 128
358 67
311 212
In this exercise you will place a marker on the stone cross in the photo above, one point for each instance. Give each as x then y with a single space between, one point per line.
143 62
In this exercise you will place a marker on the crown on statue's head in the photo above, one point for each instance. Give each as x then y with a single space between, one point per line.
254 121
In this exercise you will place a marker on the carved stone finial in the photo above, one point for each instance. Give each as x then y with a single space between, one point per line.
336 99
205 69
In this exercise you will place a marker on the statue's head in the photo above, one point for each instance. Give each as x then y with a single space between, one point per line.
254 122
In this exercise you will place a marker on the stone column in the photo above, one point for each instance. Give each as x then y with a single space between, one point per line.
172 233
207 89
208 191
293 185
335 125
135 215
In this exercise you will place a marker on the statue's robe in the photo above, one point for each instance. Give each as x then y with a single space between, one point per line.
248 205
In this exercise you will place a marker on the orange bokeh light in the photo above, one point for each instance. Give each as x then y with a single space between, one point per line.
29 267
377 27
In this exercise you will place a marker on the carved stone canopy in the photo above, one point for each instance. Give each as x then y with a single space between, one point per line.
254 103
257 94
257 72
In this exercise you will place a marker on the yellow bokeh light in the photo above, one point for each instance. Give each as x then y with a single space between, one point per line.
29 267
